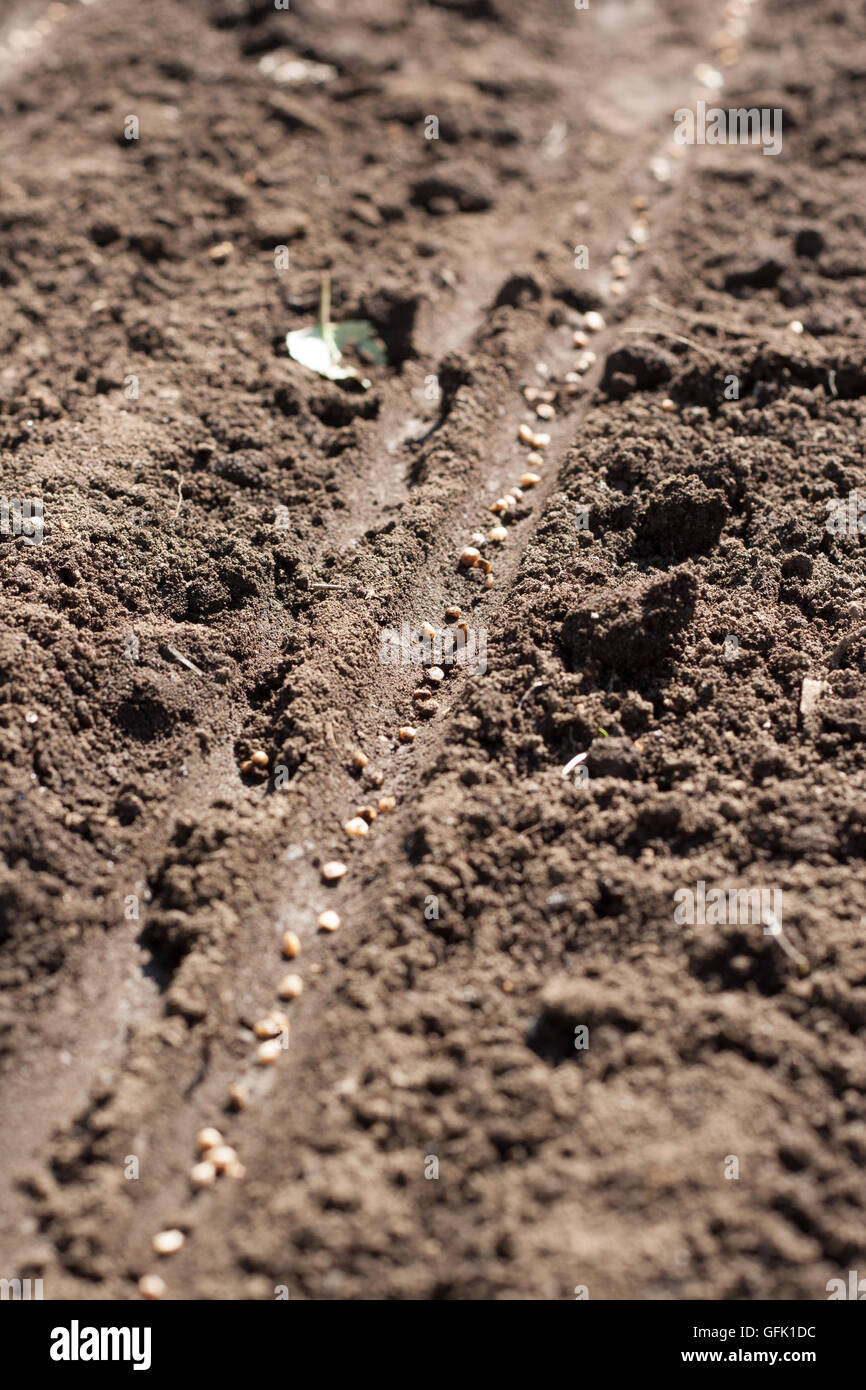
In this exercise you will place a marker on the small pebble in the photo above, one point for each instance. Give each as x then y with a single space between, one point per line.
328 921
168 1242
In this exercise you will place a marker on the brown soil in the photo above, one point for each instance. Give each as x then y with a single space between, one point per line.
501 906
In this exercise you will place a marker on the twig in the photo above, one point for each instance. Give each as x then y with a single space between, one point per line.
184 660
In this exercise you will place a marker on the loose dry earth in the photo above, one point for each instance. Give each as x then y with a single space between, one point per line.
173 621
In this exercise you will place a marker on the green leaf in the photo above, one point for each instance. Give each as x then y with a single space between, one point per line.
319 348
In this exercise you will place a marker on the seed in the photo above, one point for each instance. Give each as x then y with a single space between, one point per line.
356 826
259 758
617 288
168 1242
478 538
498 534
246 766
406 733
639 203
281 1019
547 396
489 581
464 627
668 404
580 339
485 565
203 1174
236 1170
422 693
514 493
328 921
428 631
428 709
268 1052
529 479
238 1096
525 435
151 1286
545 412
291 945
660 170
375 778
368 812
266 1028
333 870
541 441
619 267
470 557
593 321
435 675
534 460
796 326
452 614
221 251
500 505
387 804
290 987
359 759
639 233
208 1138
531 393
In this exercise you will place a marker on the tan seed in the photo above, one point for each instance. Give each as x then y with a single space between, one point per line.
593 321
580 339
208 1138
333 870
541 441
238 1096
421 694
406 733
168 1242
359 759
525 435
246 766
328 921
545 411
435 675
668 404
268 1052
290 987
452 614
489 581
387 804
500 505
529 479
470 557
291 945
236 1171
498 534
356 827
368 812
259 758
485 565
266 1027
203 1174
478 539
375 778
221 251
151 1286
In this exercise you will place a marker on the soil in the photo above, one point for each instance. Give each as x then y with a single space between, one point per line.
513 1072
